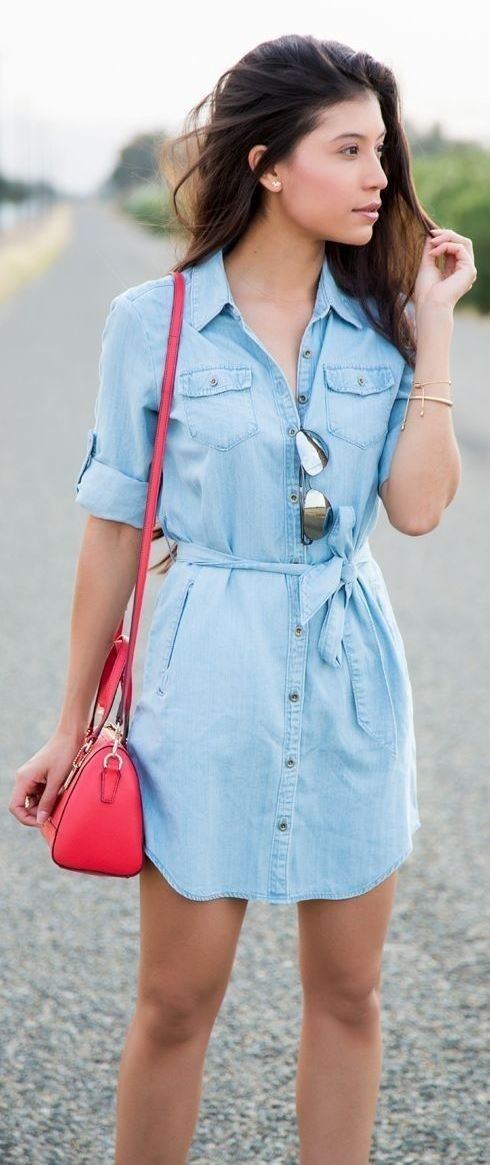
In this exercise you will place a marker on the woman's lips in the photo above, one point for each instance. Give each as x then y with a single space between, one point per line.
372 215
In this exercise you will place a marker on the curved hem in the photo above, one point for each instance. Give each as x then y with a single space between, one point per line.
254 896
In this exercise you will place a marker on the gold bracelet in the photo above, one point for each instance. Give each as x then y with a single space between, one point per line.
443 400
420 383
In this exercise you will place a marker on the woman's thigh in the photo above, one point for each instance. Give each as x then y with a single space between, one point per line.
341 943
187 947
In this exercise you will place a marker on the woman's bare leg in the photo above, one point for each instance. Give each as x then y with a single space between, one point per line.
187 953
340 1050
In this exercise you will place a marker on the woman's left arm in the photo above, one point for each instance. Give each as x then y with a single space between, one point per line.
426 466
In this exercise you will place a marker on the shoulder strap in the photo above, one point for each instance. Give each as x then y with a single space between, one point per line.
156 472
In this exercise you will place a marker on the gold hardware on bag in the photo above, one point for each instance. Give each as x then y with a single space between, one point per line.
76 765
107 758
118 731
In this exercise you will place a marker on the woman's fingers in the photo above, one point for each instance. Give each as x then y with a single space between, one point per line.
447 244
440 234
41 777
30 787
49 798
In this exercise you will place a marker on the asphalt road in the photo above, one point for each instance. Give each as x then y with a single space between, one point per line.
70 943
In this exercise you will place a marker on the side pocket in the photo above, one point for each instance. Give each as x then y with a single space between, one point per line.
384 603
172 636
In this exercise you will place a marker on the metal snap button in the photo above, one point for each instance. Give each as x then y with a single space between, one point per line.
290 762
282 825
294 696
293 497
360 380
213 380
292 432
302 398
306 352
298 630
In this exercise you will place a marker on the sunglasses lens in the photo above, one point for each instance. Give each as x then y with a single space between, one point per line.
311 454
316 514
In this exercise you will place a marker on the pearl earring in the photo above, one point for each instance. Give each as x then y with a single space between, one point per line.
276 182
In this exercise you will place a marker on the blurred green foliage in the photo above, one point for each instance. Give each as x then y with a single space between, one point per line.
454 188
150 205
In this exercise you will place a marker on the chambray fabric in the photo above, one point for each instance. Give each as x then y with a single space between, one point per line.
274 732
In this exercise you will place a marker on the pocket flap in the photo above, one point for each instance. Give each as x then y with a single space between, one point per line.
360 379
209 381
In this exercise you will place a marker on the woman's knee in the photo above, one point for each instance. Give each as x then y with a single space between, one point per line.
174 1012
186 956
350 1003
341 947
348 992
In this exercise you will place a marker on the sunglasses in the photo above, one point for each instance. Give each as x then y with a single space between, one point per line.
315 508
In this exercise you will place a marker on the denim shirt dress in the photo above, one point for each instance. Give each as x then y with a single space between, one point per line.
274 733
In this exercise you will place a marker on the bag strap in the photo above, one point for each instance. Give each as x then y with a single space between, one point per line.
156 471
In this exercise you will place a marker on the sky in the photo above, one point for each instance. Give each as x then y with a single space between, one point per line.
76 82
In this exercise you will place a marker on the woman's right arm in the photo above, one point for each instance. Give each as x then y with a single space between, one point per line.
105 578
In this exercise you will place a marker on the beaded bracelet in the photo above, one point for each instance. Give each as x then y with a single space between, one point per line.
420 384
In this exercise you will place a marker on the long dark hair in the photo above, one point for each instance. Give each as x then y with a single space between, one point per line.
275 95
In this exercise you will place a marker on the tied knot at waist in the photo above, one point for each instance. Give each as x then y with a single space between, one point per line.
348 572
331 581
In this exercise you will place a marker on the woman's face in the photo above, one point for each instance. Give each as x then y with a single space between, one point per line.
332 171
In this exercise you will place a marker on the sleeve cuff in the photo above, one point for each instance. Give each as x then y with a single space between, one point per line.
386 458
107 493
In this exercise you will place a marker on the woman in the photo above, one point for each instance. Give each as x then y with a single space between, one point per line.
274 732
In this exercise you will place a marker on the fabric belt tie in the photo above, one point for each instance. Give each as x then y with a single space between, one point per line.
336 583
331 582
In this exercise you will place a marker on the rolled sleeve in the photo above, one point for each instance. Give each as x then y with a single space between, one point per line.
398 408
113 479
394 425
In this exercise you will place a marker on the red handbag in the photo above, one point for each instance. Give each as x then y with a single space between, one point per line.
96 824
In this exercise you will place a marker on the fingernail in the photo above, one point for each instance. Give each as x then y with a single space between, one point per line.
41 817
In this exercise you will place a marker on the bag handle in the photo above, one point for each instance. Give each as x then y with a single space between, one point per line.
152 496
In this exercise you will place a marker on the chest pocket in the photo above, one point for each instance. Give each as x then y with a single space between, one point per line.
358 401
219 404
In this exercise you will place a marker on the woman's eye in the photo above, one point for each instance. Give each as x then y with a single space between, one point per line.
381 149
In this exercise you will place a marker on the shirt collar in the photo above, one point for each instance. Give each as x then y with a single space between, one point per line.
210 291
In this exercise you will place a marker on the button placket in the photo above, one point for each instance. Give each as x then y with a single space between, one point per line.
305 376
296 663
291 745
305 380
293 518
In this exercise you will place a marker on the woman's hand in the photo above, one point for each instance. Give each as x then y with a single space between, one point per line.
43 774
434 288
